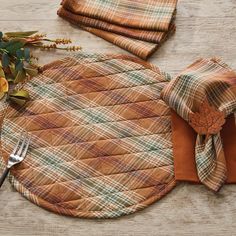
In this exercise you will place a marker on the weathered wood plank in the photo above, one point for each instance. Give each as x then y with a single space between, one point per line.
204 28
45 10
195 37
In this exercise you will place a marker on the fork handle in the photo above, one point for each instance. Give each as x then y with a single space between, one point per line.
4 175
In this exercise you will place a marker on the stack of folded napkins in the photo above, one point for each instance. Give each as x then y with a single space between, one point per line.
137 26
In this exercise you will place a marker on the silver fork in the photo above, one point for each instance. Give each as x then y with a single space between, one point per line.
18 154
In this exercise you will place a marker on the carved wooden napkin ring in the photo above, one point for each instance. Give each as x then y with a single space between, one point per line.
208 120
204 94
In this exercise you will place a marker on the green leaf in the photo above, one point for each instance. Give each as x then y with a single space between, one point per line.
19 65
2 74
13 69
19 97
20 94
3 45
20 77
27 54
2 95
19 53
18 101
5 60
31 71
20 34
13 46
10 78
1 34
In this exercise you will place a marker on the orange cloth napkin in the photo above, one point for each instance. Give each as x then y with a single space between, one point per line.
204 94
184 139
137 27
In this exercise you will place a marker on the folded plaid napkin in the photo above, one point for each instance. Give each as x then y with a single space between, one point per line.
137 27
184 148
203 95
145 35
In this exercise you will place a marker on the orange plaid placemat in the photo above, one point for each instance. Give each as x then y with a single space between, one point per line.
100 137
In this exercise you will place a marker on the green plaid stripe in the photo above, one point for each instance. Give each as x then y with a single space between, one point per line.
214 80
151 15
138 27
101 137
3 107
144 35
137 47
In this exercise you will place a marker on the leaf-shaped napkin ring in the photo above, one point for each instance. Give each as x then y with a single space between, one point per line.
204 95
209 152
208 120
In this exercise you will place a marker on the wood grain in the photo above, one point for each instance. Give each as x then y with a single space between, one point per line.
204 29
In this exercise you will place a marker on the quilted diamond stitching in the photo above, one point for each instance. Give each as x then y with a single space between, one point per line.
108 205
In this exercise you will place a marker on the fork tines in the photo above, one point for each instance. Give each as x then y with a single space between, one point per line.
22 145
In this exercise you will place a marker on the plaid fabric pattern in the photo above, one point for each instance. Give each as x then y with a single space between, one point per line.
3 108
142 35
101 137
149 15
139 48
214 80
144 26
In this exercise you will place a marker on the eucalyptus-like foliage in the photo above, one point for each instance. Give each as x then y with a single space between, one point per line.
17 63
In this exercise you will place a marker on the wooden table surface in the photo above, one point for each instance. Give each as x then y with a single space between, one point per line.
204 28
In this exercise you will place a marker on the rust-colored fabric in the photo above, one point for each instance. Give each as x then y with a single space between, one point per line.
140 48
228 135
136 27
184 139
140 34
101 142
139 14
206 90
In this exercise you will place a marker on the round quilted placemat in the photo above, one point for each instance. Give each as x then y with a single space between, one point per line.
100 137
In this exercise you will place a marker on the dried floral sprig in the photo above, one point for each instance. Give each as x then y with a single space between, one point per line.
63 41
73 48
18 64
59 41
49 46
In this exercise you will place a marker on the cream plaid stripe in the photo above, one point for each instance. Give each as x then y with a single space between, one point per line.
210 161
214 80
101 137
151 15
139 48
145 35
136 26
3 107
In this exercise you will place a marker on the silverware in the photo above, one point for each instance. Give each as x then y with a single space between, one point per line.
18 154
